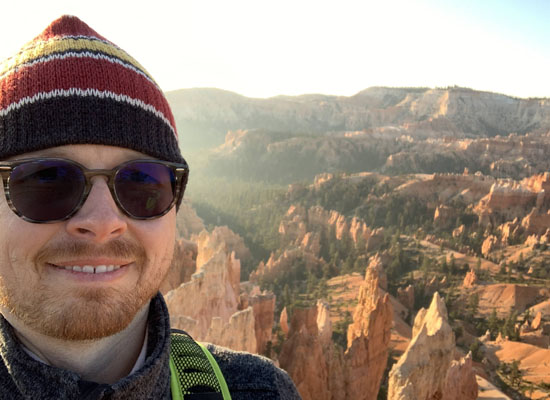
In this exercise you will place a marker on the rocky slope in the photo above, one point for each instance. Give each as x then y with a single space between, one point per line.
301 233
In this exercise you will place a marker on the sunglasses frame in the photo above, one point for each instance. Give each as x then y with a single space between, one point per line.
181 173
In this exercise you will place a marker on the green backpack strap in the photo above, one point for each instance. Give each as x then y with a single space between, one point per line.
194 373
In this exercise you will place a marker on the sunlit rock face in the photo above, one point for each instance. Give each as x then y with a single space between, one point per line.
368 339
263 306
470 280
427 367
536 222
183 265
304 355
323 371
213 306
527 200
489 244
188 222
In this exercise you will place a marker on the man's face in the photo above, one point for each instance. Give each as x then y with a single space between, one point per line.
38 283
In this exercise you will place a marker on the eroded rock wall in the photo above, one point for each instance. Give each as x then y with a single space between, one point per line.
212 306
426 370
322 371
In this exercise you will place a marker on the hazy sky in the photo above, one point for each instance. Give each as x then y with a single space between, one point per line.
263 48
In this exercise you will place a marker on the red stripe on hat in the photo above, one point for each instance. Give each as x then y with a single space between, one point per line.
82 73
67 25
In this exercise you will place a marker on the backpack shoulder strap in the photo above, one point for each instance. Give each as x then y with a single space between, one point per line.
194 373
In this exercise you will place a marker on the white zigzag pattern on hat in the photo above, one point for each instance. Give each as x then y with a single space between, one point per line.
85 93
86 54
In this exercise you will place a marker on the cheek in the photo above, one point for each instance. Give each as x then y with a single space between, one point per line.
20 241
158 237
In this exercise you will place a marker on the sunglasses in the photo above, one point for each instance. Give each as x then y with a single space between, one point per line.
46 190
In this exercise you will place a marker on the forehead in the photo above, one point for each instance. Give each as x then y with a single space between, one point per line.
89 155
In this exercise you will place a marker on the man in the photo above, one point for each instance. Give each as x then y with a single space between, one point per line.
92 176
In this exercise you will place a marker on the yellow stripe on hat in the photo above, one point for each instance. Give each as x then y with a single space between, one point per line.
42 49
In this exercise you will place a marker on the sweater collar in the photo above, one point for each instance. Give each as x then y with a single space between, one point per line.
37 380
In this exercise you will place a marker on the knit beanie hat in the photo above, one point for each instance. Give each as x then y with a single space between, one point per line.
72 86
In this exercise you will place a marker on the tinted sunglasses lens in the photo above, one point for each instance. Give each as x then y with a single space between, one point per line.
145 189
46 190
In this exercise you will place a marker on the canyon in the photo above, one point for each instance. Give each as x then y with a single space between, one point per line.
391 244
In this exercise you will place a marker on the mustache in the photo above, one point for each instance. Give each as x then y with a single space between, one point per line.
117 249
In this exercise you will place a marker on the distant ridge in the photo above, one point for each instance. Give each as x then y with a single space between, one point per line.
204 115
369 90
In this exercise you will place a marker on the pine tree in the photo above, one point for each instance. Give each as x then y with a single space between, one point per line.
493 324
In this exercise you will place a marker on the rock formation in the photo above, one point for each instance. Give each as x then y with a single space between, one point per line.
293 226
379 262
183 265
536 323
444 216
457 232
298 222
210 305
301 231
368 339
509 199
489 244
187 221
536 222
290 258
460 382
426 368
406 296
305 355
376 239
470 279
509 230
220 239
322 371
263 307
283 321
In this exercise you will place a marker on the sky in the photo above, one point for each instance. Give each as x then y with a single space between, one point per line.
262 48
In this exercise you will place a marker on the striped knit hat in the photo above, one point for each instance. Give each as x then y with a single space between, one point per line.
72 86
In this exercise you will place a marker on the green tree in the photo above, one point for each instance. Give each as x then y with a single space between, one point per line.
426 264
472 306
452 265
475 348
509 327
515 374
494 323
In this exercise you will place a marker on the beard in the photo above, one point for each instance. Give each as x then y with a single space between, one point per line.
85 313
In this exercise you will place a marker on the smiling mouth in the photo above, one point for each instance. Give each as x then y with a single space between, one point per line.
89 269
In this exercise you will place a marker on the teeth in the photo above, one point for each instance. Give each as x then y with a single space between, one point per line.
88 269
100 269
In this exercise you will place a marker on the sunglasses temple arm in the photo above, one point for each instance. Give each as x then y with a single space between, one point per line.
182 183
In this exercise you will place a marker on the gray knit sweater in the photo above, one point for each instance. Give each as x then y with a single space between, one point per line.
247 376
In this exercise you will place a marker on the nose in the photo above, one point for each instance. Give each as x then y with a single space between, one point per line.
99 220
